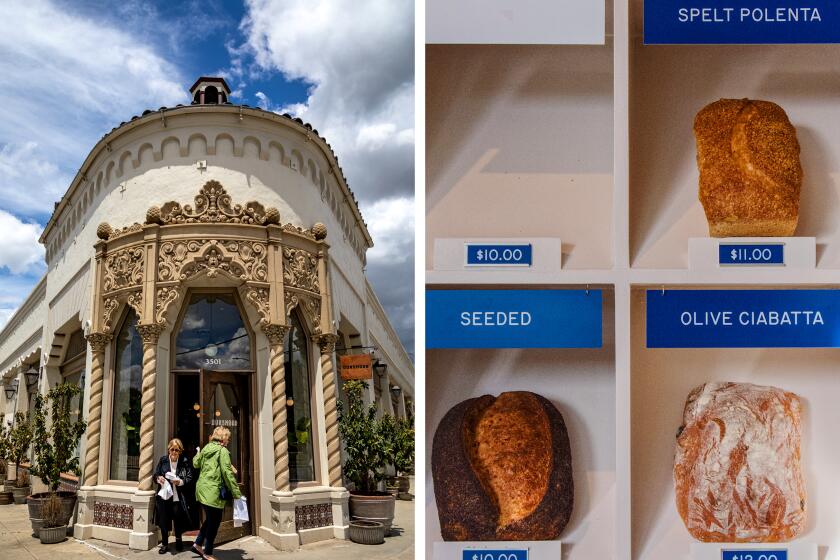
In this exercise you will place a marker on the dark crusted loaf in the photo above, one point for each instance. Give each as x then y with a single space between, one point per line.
502 469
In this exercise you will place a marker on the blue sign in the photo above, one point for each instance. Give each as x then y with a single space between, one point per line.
479 254
513 319
751 254
743 319
741 21
472 554
754 554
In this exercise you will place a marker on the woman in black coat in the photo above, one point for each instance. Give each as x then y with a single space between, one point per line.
175 469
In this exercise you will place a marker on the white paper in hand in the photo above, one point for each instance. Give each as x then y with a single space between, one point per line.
240 511
165 491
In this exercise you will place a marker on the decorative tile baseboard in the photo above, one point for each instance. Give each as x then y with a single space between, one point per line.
313 516
120 516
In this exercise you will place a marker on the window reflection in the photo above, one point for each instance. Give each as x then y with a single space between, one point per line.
125 418
213 335
298 405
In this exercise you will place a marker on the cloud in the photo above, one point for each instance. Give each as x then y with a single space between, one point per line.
20 252
69 79
29 181
358 56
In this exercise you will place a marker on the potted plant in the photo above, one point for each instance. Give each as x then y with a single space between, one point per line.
402 455
20 438
53 529
6 493
56 439
367 447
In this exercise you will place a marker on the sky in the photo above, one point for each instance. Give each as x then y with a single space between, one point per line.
73 70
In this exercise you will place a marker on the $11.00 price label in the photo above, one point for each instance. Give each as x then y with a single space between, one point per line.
731 254
754 555
482 254
472 554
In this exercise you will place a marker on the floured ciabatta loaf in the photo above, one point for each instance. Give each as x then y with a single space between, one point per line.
737 471
502 469
750 175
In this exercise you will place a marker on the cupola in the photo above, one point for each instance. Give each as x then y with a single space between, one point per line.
210 91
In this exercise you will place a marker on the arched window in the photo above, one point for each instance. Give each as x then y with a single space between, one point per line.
212 335
299 405
125 411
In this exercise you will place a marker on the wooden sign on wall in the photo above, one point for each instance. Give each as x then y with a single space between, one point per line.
356 367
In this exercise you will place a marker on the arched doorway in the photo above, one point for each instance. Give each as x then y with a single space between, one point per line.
212 365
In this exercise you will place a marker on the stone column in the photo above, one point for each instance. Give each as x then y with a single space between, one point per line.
281 532
83 527
276 335
97 342
327 344
144 534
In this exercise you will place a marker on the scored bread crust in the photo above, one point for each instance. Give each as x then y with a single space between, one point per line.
750 172
737 470
471 477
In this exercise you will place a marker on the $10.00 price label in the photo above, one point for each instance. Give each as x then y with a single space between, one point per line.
482 254
472 554
754 554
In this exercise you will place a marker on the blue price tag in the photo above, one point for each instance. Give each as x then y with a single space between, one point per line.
741 21
743 319
473 554
754 254
479 254
513 319
781 554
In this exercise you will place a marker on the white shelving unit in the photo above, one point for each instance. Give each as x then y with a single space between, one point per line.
594 145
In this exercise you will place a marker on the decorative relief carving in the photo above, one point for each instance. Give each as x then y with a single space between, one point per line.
123 269
98 341
213 205
180 260
133 228
165 297
258 297
150 333
326 342
299 230
309 305
300 269
109 306
275 333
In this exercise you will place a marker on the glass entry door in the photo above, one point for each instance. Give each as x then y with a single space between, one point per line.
226 403
204 400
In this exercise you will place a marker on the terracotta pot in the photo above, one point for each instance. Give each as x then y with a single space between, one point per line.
403 483
367 532
52 535
376 507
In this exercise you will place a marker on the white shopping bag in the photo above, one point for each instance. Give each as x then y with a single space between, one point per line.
240 511
165 490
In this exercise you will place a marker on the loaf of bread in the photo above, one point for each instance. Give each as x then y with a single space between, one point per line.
750 174
502 469
737 470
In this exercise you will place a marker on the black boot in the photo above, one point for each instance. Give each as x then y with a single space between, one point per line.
163 548
179 544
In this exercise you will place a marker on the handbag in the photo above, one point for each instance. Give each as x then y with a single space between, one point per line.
224 492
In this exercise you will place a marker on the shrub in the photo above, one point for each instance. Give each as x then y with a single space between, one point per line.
20 438
365 439
56 437
51 512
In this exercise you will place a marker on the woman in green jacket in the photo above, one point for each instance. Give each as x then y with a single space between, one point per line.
216 470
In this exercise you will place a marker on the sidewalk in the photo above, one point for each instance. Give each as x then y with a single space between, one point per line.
17 543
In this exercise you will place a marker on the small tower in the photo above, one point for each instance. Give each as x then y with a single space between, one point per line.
210 91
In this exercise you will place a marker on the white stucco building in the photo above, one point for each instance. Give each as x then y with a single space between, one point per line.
205 267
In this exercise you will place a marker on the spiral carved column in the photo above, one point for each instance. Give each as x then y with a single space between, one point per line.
97 342
150 335
327 345
276 335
